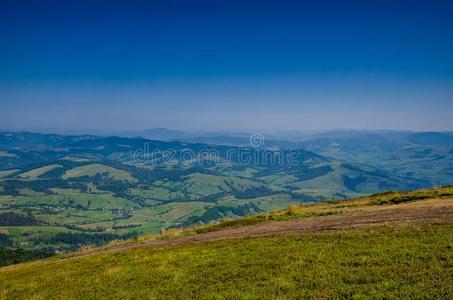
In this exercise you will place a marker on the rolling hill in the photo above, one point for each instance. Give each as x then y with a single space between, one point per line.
91 170
389 245
107 188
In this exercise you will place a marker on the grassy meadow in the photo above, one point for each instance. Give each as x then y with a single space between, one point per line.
382 263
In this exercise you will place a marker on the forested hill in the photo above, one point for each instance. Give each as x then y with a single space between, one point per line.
61 192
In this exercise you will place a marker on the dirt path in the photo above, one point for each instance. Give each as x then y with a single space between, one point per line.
422 212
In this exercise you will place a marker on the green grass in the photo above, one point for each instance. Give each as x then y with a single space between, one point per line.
400 197
384 263
265 203
157 193
200 185
279 179
30 193
93 169
181 210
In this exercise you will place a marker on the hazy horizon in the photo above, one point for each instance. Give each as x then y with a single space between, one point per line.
277 134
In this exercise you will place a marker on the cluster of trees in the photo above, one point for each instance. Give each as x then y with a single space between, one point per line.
5 241
83 229
76 240
10 255
13 256
126 226
12 186
253 192
310 173
219 212
305 198
13 219
353 182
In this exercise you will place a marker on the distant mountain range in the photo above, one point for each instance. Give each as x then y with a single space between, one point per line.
104 188
421 155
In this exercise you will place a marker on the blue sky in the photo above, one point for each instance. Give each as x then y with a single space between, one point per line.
116 65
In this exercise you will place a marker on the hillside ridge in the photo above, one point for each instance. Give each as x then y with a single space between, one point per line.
421 207
389 245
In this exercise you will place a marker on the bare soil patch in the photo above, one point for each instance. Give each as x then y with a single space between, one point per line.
435 211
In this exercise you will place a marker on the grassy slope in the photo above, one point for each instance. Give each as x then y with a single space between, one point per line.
330 207
387 262
93 169
382 263
35 173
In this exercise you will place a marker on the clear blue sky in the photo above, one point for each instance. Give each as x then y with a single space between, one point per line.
115 65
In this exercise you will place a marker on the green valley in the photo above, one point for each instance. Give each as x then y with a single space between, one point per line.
61 193
369 247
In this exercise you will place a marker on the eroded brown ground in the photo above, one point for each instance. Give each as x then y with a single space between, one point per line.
435 211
